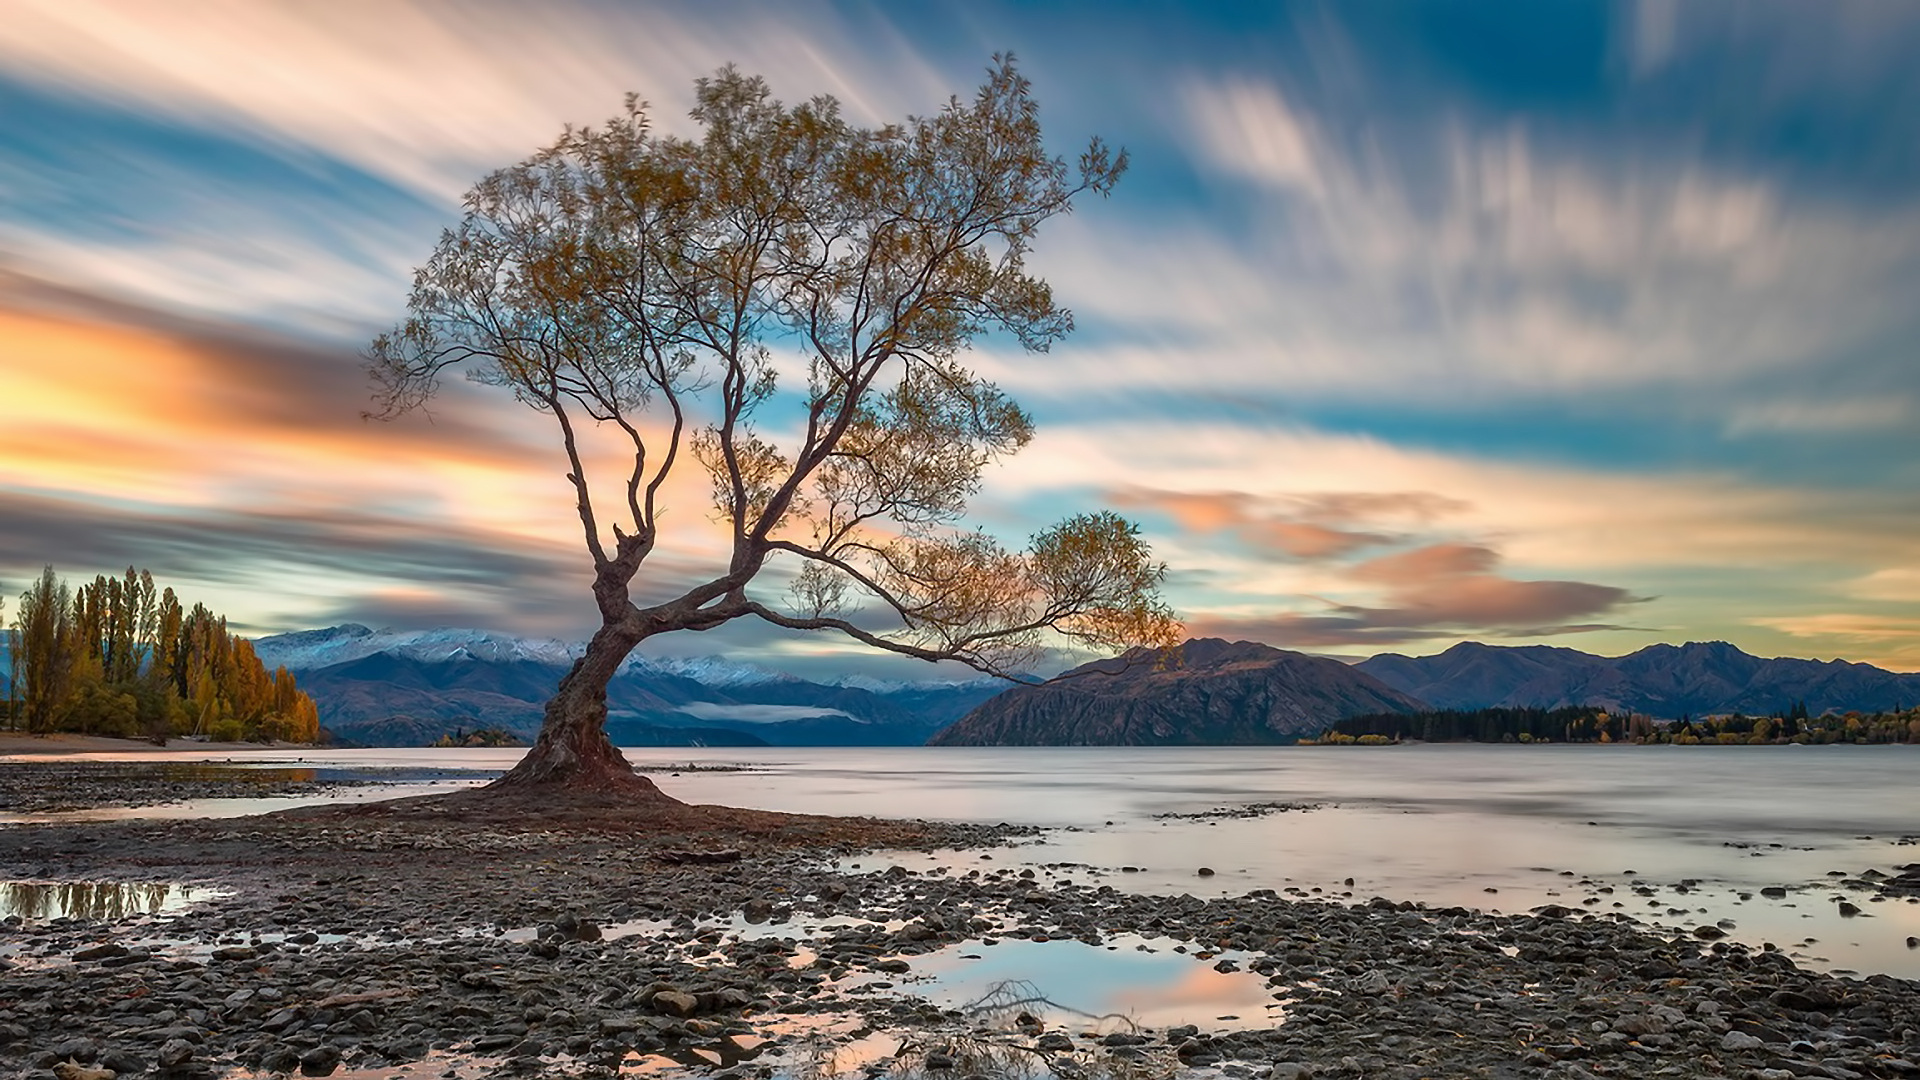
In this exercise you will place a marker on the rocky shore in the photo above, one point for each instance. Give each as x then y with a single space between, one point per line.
448 942
43 787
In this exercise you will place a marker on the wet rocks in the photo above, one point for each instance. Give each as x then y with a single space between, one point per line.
174 1053
102 951
322 1060
674 1003
330 955
48 787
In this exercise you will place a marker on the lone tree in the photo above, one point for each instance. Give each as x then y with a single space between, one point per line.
635 284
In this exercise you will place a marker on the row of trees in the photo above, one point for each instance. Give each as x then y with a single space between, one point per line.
121 657
1566 724
1589 724
1795 726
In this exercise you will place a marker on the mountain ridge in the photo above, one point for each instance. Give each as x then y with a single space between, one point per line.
365 679
1662 680
1213 692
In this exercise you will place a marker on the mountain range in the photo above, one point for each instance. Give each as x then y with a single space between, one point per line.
400 688
386 687
1663 681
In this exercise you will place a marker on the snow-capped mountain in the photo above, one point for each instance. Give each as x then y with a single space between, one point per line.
310 650
398 687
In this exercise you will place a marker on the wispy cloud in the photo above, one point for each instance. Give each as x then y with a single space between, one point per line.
1833 415
1439 590
430 94
1885 640
1386 340
1317 525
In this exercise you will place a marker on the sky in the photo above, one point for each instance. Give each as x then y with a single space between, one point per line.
1587 324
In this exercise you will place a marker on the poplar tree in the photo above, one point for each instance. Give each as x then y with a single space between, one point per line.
119 657
46 650
629 283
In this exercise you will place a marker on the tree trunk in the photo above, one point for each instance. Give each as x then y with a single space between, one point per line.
573 750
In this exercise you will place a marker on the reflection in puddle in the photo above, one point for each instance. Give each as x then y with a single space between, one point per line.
37 901
1128 982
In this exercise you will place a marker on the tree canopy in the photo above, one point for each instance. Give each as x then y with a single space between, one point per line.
119 656
657 287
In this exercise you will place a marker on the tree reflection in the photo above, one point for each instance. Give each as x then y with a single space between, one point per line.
42 900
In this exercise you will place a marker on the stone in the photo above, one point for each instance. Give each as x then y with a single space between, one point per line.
174 1053
1290 1070
1053 1042
1810 1000
1373 982
675 1003
322 1060
124 1062
67 1070
82 1050
1736 1041
105 950
1636 1025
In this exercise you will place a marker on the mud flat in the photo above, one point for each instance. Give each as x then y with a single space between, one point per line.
444 937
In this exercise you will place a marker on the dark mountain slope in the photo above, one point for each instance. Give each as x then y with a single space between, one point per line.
1218 693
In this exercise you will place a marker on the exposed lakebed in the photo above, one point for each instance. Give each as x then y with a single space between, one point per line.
390 943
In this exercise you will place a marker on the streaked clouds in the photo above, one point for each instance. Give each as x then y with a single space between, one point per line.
1413 322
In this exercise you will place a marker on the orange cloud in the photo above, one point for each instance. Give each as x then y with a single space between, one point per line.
1311 526
1422 565
217 455
1438 590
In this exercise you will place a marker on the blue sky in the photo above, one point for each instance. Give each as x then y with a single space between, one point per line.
1591 323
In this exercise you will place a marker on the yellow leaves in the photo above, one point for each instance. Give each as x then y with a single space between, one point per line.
747 473
964 595
1101 575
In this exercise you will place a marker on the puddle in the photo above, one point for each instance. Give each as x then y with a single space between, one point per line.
42 901
1127 982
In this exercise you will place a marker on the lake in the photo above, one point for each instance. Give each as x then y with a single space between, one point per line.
1680 836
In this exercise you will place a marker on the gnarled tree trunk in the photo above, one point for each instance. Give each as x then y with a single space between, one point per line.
573 750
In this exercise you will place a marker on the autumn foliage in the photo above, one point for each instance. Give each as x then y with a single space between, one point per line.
120 657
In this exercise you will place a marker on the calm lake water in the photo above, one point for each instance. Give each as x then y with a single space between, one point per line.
1678 836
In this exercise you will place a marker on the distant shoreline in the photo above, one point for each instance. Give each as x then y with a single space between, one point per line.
17 744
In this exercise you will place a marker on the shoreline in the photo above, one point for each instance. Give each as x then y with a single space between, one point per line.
360 937
17 744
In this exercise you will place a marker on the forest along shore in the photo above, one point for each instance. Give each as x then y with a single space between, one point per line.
362 937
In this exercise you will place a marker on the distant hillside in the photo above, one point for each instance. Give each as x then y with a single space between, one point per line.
409 688
1218 693
1663 681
